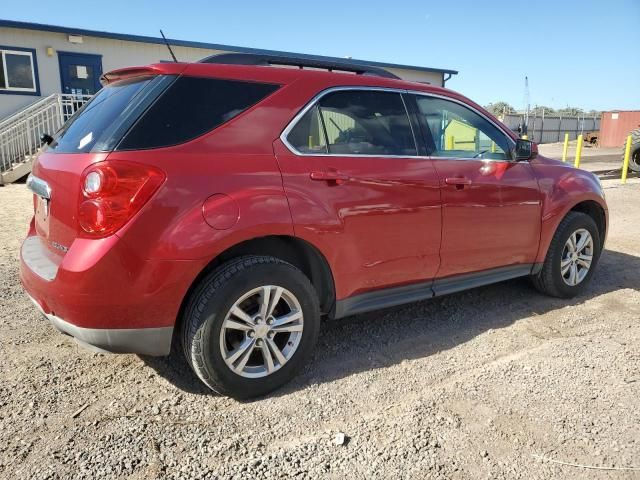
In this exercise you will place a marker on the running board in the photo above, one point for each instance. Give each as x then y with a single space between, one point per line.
391 297
457 283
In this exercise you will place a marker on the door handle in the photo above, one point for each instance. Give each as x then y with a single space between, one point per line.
459 182
332 176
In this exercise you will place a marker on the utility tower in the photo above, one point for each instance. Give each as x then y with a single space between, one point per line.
527 105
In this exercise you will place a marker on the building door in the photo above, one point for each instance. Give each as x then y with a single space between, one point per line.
80 73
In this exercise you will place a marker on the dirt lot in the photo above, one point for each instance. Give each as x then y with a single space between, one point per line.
474 385
603 160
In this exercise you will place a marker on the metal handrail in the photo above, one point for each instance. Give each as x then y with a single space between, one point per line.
26 111
20 134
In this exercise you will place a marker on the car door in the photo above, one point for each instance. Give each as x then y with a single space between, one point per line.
359 192
490 203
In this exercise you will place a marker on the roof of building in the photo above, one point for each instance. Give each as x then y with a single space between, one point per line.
212 46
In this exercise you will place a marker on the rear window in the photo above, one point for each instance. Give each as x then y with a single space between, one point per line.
190 107
152 112
113 109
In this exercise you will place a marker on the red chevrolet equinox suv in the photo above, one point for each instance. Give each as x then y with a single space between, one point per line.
227 206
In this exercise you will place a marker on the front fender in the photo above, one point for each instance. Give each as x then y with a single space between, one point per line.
563 188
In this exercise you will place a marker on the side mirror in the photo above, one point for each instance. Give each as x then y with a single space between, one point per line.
524 150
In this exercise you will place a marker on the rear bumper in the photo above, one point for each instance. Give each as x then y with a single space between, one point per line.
104 295
144 341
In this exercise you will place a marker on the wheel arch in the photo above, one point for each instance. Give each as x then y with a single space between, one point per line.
597 213
296 251
590 205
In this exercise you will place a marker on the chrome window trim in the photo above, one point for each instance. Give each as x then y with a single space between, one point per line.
413 133
314 101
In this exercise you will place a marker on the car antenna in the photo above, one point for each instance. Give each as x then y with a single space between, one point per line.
168 46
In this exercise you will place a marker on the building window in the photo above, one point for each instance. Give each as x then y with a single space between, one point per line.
18 71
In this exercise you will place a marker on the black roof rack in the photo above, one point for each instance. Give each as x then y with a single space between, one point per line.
300 62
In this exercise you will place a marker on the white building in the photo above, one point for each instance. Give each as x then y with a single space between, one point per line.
40 60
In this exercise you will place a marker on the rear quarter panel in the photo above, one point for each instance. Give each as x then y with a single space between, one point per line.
236 160
172 225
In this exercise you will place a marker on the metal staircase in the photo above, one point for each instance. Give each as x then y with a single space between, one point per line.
20 133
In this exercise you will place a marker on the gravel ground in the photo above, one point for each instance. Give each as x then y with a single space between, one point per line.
473 385
607 161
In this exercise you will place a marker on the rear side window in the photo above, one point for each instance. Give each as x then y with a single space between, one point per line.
363 122
190 107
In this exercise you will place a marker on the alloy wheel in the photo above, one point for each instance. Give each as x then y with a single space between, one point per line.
261 331
577 256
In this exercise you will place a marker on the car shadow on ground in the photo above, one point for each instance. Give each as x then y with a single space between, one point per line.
387 337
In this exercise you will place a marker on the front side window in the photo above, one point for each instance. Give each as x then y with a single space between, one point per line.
458 132
17 71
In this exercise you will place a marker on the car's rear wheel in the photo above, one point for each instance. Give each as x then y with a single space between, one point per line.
251 324
572 257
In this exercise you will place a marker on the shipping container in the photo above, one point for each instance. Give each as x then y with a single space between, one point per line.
616 125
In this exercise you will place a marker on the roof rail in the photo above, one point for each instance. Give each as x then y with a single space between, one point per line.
300 62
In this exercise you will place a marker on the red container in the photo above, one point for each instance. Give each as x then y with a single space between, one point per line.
616 125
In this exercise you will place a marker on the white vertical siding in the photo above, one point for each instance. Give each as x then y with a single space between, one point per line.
115 54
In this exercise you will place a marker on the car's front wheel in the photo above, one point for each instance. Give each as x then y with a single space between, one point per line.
572 257
250 325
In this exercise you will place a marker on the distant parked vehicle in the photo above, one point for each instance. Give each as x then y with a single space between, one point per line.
227 208
591 138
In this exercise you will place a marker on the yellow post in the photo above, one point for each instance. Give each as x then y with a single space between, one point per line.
578 152
625 163
566 147
493 147
450 142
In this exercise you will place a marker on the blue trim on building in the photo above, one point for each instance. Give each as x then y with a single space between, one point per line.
36 80
213 46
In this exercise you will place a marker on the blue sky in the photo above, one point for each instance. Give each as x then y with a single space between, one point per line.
579 53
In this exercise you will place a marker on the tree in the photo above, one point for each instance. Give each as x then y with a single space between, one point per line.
498 108
540 108
571 111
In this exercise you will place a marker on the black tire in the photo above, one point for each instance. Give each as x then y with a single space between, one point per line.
215 296
634 158
550 280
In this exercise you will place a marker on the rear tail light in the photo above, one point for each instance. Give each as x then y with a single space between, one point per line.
111 193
